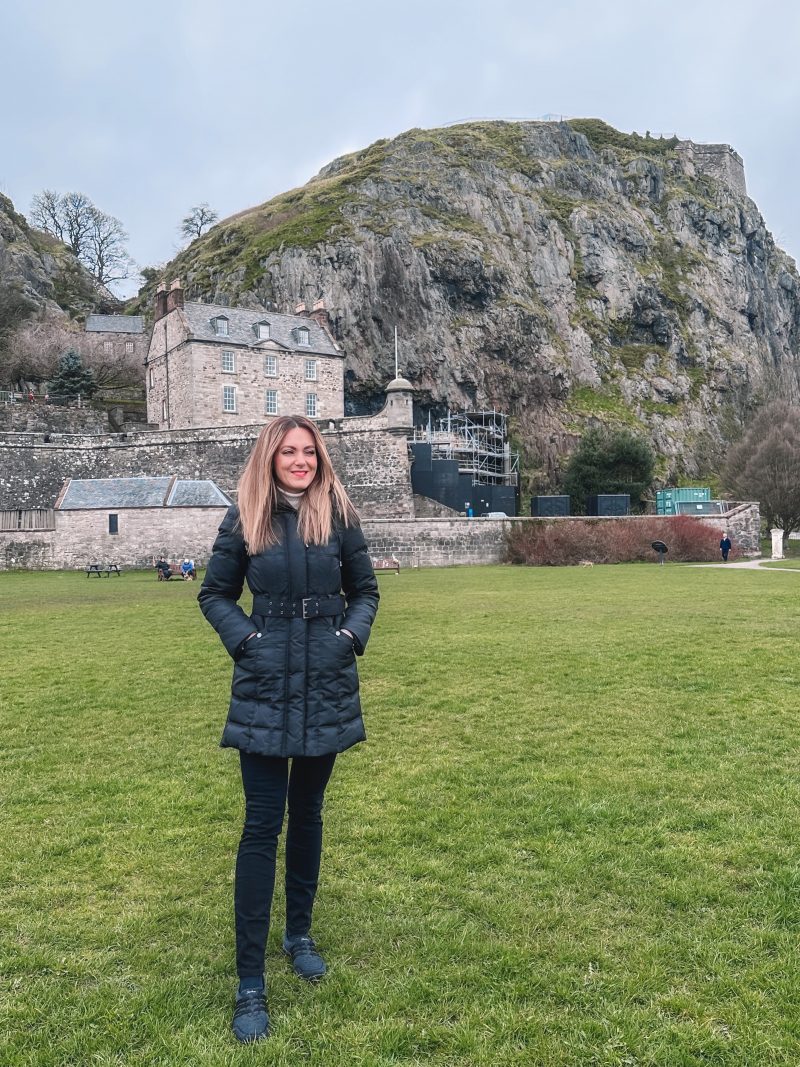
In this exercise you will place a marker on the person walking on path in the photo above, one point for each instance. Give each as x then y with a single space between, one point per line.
725 547
295 539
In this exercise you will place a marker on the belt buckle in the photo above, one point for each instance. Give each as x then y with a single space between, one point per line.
305 601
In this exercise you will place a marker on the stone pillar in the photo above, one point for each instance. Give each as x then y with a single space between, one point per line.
777 543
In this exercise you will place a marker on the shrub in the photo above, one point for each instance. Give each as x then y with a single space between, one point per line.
558 543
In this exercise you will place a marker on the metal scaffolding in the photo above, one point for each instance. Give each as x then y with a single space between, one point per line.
478 441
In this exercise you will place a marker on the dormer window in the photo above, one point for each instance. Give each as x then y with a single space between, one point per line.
220 325
303 335
262 331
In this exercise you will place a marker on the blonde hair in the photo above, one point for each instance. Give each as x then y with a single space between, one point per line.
323 501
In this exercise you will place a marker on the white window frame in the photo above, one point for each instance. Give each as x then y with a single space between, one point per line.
163 411
262 331
271 366
271 395
225 353
221 326
303 335
311 370
108 346
229 396
152 379
129 347
312 405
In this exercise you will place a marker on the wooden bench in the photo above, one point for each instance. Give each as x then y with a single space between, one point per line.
174 570
386 563
100 570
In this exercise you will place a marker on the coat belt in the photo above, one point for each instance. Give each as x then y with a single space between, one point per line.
309 607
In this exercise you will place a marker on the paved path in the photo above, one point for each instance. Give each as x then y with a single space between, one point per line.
747 564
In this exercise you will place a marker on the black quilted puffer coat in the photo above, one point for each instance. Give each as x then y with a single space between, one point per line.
295 685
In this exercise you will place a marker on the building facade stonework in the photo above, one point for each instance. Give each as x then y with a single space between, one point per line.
210 365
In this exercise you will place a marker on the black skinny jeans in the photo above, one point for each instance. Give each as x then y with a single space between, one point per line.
267 781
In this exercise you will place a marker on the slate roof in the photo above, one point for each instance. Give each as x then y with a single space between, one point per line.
240 328
114 324
87 493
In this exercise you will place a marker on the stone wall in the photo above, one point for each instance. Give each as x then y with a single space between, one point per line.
44 418
442 542
30 550
718 161
82 537
743 524
438 542
177 532
372 463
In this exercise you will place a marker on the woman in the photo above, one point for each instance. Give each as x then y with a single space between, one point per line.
295 539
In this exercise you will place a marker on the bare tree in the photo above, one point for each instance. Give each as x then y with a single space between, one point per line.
764 465
198 220
46 213
96 239
107 257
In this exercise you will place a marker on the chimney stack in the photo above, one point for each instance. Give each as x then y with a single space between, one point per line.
320 315
175 295
161 302
300 308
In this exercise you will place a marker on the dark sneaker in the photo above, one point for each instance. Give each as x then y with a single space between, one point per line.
306 961
250 1018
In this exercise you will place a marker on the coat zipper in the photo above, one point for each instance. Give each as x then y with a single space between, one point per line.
285 524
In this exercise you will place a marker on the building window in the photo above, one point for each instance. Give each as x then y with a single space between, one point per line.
108 346
229 398
220 327
311 370
311 405
262 331
163 411
113 524
228 362
129 347
303 335
271 405
152 378
271 366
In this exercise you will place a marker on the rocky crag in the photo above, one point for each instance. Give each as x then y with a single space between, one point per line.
38 272
563 272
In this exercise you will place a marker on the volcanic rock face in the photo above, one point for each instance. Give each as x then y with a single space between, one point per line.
38 270
562 272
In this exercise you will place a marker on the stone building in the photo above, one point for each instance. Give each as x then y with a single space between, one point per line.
131 520
210 365
122 336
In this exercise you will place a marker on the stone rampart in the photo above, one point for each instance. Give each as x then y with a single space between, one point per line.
372 463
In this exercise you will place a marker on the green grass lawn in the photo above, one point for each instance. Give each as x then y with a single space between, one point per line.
572 837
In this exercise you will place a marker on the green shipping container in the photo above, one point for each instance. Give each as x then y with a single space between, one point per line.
666 499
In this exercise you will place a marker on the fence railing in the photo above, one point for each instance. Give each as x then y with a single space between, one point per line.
28 519
7 397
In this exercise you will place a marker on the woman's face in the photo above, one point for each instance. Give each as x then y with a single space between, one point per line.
295 462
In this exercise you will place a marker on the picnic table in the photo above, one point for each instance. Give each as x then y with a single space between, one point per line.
103 570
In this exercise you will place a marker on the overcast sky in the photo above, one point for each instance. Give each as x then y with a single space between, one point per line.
150 108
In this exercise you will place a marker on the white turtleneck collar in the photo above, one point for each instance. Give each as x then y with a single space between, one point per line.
292 498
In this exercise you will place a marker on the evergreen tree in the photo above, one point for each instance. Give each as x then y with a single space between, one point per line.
609 461
72 378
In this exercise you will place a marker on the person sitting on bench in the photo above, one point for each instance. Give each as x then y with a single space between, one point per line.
163 568
187 570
